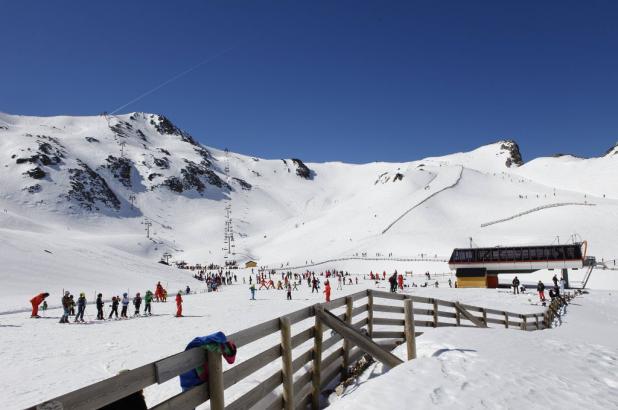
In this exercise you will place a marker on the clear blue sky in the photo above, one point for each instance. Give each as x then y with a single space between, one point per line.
328 80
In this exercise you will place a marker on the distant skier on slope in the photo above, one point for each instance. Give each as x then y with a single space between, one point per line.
327 290
66 307
178 304
125 305
100 306
81 307
36 301
252 290
289 291
515 285
114 307
148 301
137 302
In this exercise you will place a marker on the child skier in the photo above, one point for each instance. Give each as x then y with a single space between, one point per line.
81 307
36 301
252 289
289 296
178 305
66 306
148 300
100 306
114 307
327 290
137 302
125 305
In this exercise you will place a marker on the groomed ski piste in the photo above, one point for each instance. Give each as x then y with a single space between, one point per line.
61 229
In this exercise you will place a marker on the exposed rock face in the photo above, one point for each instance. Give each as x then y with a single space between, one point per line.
192 178
162 163
612 151
243 184
515 155
33 189
165 127
398 177
92 139
50 152
36 173
88 189
120 168
302 170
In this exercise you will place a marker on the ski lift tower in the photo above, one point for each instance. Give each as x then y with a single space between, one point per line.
228 237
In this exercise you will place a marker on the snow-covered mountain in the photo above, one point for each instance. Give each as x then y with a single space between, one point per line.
83 187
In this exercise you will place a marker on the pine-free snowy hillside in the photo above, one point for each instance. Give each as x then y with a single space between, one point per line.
76 192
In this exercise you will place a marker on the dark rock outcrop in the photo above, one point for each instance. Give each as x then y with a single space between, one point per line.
120 168
302 170
36 173
91 139
243 184
162 163
515 158
88 189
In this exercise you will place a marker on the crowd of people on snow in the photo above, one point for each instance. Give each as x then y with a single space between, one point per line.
69 303
557 291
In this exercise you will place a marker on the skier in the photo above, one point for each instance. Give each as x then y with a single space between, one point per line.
450 283
100 306
66 306
327 290
81 307
36 301
562 285
44 306
400 282
516 285
314 285
114 307
187 290
252 289
137 302
148 301
289 297
555 280
71 306
339 283
125 305
178 305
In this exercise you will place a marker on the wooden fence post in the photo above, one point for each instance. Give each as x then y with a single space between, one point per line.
370 312
457 317
215 381
346 343
484 311
506 320
435 313
409 328
317 364
286 356
524 322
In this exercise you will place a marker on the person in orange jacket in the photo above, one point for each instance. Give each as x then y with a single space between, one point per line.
327 290
400 281
178 305
36 301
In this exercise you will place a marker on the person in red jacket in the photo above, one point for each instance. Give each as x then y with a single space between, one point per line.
178 305
36 301
400 281
327 290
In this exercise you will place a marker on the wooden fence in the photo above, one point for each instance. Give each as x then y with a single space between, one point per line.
302 358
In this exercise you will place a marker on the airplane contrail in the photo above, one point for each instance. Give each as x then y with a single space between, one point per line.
174 78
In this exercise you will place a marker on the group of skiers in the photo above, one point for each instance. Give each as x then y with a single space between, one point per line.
68 304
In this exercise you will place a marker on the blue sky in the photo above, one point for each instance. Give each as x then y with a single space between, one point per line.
328 80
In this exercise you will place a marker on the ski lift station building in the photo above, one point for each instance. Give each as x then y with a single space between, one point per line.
480 267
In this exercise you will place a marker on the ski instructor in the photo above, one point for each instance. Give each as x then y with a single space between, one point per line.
36 301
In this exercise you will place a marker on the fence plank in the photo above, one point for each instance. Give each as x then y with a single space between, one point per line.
300 315
388 335
388 295
358 310
257 393
469 316
235 374
317 364
346 343
388 321
215 381
388 309
302 337
187 400
370 309
302 360
358 339
170 367
253 333
286 365
107 391
409 328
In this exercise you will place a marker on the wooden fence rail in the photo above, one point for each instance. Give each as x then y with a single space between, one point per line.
309 357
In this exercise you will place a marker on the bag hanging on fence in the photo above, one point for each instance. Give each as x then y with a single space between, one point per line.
215 342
